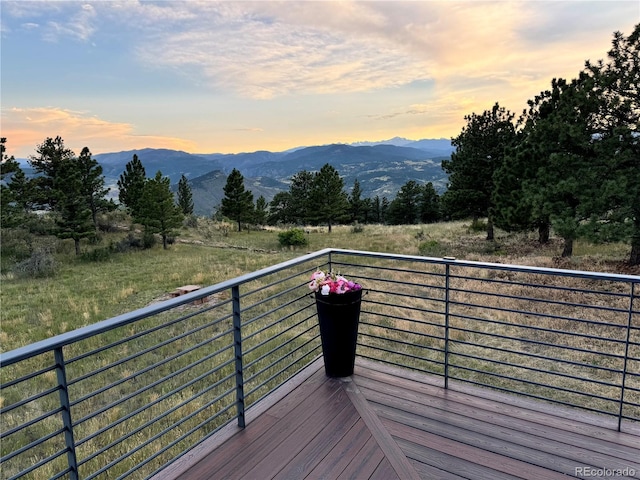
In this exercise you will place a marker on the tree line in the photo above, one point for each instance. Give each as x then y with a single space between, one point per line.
320 198
72 190
570 162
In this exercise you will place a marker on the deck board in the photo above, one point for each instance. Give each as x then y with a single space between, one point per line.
387 423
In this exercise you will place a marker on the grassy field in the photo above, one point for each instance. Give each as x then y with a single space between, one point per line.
84 292
151 372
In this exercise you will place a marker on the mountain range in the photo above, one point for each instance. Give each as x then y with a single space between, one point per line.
381 168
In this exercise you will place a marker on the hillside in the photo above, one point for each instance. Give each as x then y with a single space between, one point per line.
207 190
381 168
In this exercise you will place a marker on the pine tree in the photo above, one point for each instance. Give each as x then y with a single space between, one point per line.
94 189
357 208
479 152
51 155
131 184
567 169
512 208
157 211
301 207
405 208
618 125
329 200
376 209
384 209
15 190
261 211
237 203
280 209
73 218
185 197
429 203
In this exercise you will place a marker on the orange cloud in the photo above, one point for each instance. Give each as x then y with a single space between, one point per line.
26 128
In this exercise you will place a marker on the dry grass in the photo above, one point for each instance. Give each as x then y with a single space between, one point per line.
410 322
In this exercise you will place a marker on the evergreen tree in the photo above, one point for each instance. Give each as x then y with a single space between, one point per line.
429 204
512 207
329 200
237 203
157 211
51 155
479 152
131 184
617 125
568 170
94 190
185 197
281 209
357 207
261 211
15 190
384 209
72 187
376 209
405 208
301 206
19 201
73 219
367 207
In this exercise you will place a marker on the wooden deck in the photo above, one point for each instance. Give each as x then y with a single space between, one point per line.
386 423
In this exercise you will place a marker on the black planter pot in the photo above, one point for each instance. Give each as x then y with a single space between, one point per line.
338 316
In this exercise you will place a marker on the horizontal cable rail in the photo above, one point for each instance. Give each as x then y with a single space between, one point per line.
125 397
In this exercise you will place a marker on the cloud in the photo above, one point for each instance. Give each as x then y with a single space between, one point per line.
29 127
248 129
79 26
414 65
416 109
258 54
264 50
55 20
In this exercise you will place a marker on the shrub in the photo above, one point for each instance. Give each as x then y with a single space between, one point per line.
357 228
94 239
293 238
39 264
40 224
478 225
431 248
127 243
224 228
115 221
16 245
190 221
98 255
148 240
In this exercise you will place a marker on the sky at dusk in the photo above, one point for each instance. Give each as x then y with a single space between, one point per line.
228 77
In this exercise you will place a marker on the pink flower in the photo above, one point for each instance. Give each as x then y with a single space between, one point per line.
319 276
327 283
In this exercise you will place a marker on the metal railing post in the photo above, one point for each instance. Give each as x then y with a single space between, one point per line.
237 345
626 355
61 375
446 326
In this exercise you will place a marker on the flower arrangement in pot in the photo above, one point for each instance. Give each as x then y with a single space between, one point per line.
338 305
328 283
